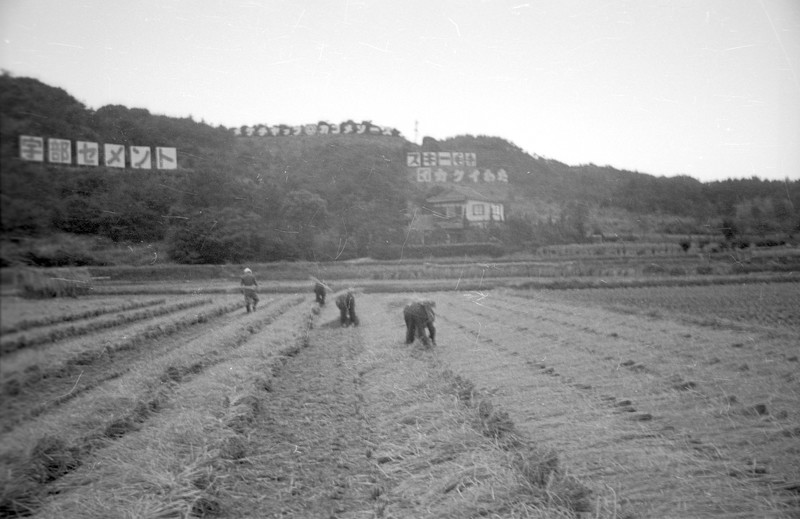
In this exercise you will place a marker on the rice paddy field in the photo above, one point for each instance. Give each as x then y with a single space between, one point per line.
628 402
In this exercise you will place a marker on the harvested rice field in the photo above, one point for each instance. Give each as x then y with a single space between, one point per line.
603 403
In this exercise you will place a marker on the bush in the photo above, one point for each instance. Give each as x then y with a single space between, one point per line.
39 284
218 237
769 242
654 269
56 250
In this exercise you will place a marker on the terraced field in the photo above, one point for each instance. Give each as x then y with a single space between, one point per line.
596 403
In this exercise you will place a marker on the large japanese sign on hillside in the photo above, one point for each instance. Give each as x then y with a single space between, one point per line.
450 166
309 130
87 153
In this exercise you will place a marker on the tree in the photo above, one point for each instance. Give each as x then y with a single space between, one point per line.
303 214
519 231
227 235
301 209
729 230
574 218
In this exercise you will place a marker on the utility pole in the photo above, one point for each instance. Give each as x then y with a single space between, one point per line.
416 128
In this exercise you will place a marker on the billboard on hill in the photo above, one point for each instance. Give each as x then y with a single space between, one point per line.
311 130
86 153
458 167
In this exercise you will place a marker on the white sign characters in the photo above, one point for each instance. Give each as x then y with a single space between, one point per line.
457 175
140 157
364 128
31 148
456 159
166 158
451 166
114 155
59 151
87 153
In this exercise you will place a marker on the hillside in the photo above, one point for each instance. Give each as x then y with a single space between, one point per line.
320 198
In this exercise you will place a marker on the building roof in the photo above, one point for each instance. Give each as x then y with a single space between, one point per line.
447 196
456 194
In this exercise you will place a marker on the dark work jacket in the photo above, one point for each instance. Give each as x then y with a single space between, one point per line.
249 280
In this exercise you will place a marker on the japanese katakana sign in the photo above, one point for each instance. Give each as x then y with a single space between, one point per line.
114 155
282 130
428 159
460 175
451 166
87 153
140 157
166 158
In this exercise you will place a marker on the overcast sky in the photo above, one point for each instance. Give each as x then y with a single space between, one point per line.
706 88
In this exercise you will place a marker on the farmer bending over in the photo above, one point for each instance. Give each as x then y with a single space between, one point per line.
347 308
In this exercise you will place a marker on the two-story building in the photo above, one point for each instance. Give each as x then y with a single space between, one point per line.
447 216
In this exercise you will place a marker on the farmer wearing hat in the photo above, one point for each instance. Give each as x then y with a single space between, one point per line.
249 283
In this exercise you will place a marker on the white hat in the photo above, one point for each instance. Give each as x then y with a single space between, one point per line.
247 271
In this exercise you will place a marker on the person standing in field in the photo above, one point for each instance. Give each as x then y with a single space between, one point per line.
250 284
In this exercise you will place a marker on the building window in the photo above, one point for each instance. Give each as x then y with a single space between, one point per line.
477 210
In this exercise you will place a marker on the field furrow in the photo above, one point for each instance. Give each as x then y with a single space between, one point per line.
54 333
124 404
14 324
771 305
36 382
623 396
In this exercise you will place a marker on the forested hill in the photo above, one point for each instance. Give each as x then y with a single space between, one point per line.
548 179
235 198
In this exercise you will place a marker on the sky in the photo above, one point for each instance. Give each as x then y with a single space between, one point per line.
705 88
